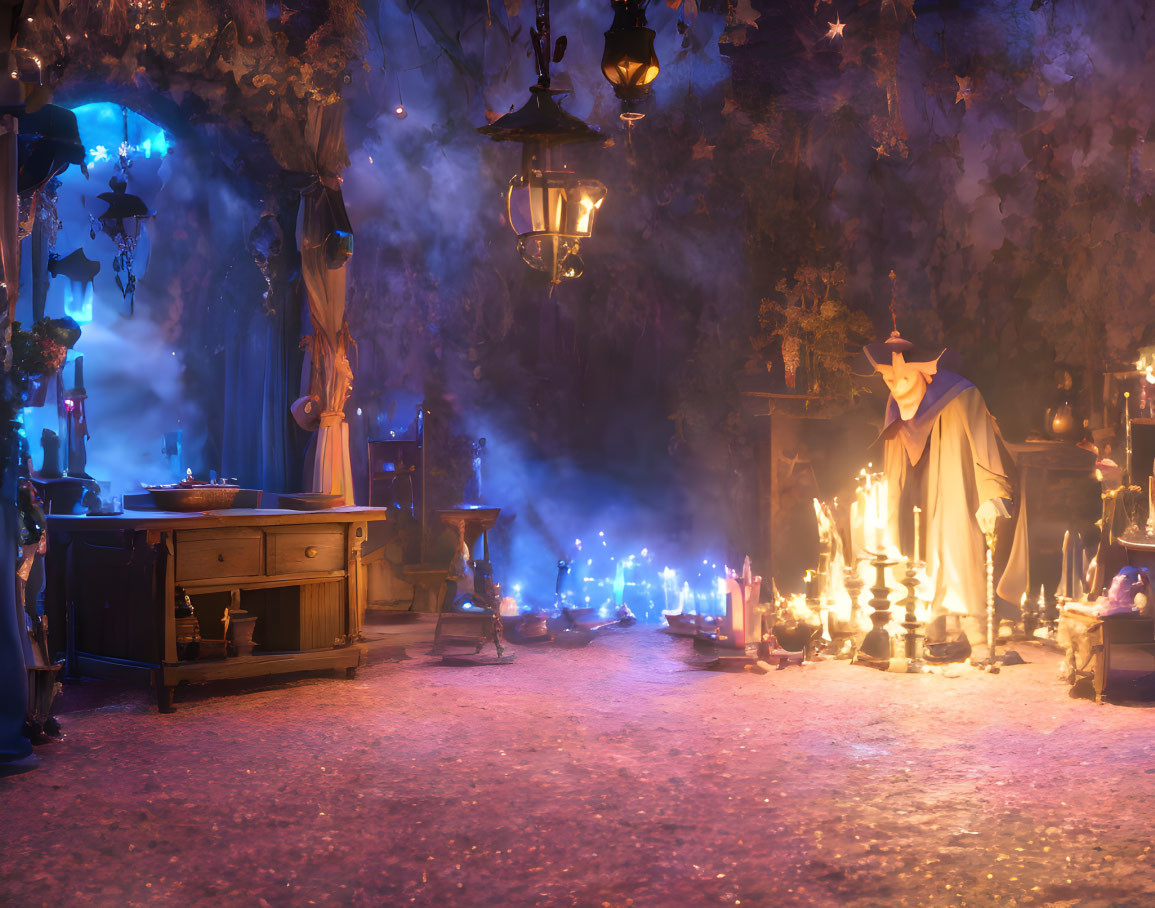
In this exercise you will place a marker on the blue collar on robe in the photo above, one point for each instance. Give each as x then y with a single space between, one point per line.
915 431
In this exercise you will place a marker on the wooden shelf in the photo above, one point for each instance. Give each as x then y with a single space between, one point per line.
263 664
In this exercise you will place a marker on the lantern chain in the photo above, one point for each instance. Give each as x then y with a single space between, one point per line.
541 42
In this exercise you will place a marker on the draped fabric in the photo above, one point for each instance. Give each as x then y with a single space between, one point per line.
326 243
9 215
262 364
13 674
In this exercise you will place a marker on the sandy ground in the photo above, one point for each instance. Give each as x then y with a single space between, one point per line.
612 774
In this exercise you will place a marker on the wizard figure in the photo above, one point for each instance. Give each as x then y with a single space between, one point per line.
941 452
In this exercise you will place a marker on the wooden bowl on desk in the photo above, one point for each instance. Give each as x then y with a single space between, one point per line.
193 498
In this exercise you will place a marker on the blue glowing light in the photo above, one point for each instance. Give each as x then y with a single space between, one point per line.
619 586
81 309
105 122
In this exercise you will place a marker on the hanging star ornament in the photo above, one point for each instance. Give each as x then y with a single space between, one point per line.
964 90
836 29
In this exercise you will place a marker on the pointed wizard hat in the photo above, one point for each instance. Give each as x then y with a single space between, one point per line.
882 355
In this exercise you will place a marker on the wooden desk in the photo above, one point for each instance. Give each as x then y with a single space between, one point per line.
114 580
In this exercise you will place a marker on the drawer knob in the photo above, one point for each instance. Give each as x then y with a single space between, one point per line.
311 552
221 558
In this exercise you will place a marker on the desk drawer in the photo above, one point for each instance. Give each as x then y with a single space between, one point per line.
304 549
209 554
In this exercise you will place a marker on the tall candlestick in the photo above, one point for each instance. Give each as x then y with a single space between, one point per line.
1127 436
911 623
917 516
876 643
1151 502
1065 581
879 515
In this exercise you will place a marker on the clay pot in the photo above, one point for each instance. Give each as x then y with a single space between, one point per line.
241 627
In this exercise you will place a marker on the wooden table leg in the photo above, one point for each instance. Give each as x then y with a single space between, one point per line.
1102 665
163 695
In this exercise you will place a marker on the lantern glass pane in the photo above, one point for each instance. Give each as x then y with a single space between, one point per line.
558 203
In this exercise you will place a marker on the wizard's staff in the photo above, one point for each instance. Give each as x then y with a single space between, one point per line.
992 636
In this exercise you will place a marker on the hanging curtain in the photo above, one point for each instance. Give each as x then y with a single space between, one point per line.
326 240
9 214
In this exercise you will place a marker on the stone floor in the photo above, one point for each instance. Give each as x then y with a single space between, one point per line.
609 774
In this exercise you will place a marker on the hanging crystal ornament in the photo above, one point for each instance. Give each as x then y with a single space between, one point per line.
123 220
47 213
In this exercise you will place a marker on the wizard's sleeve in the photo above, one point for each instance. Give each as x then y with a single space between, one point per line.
990 474
992 482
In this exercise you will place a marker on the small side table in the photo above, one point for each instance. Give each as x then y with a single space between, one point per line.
1095 643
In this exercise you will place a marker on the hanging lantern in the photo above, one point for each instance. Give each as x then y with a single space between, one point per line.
550 208
629 62
121 222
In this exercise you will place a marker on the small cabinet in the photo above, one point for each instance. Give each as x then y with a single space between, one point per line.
115 581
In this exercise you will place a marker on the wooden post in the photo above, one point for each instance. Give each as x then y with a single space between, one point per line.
355 585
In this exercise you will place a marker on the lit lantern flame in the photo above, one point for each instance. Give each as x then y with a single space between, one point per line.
629 62
551 212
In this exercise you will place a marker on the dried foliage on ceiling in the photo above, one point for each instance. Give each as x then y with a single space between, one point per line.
265 64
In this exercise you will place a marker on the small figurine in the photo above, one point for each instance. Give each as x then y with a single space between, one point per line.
50 465
473 487
74 399
1128 595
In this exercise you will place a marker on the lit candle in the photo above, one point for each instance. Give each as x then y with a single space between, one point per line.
1127 433
880 514
917 515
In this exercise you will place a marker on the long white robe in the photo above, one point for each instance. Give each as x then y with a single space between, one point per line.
946 459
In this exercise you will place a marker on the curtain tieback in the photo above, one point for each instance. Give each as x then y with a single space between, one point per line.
332 418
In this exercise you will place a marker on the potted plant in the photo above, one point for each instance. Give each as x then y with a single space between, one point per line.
813 332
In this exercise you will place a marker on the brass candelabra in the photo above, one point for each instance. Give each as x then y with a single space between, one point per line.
877 641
